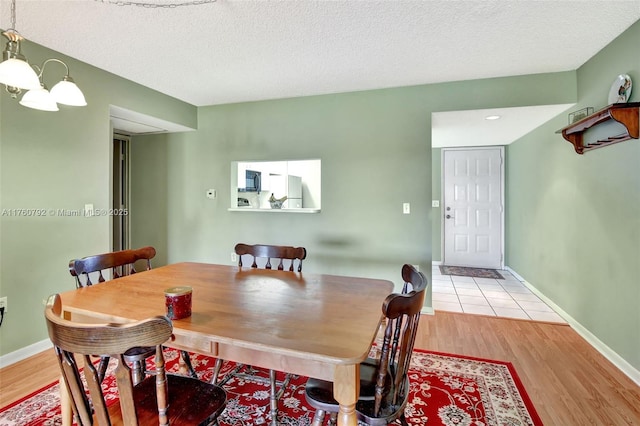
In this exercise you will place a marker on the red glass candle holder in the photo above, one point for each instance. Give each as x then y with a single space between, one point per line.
178 302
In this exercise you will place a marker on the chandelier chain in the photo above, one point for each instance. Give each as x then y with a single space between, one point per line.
157 5
13 15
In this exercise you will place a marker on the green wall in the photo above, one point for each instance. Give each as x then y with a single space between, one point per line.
573 221
59 160
375 148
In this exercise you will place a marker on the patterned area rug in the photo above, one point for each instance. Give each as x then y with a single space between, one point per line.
445 390
470 272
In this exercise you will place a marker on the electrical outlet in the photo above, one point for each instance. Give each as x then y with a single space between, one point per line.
3 303
234 257
211 194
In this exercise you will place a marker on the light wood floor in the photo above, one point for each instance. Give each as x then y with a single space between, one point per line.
569 382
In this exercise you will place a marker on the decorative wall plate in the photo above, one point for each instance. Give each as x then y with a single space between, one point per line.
620 89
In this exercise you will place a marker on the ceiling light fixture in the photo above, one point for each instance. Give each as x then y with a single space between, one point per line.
17 75
492 117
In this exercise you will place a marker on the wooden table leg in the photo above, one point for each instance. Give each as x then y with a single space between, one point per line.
65 404
346 388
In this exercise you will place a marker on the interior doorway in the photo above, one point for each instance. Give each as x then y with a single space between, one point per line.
120 218
473 213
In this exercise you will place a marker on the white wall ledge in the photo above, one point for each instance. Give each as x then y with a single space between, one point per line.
251 209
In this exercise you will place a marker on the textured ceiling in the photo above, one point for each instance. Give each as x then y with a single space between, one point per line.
236 51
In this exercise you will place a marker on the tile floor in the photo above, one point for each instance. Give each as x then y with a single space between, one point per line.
487 296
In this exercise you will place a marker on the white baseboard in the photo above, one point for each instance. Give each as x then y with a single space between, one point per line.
515 274
606 351
24 353
427 310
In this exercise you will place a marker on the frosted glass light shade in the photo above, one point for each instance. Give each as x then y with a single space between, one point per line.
66 92
39 99
18 73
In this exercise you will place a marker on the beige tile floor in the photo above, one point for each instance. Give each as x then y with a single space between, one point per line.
487 296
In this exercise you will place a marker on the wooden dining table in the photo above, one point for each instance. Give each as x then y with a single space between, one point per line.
313 325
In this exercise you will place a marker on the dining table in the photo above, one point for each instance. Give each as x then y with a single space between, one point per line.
313 325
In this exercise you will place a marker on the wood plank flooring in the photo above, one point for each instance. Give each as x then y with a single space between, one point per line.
569 382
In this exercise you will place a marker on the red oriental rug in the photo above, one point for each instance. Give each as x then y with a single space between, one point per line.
445 390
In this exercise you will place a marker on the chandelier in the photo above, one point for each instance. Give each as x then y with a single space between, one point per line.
17 75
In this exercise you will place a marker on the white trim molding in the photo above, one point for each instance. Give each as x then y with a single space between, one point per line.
24 353
427 310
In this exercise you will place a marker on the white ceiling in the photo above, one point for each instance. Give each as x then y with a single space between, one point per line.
231 51
471 128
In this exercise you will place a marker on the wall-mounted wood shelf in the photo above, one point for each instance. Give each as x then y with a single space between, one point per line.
626 114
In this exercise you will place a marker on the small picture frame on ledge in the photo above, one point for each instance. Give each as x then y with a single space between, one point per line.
580 114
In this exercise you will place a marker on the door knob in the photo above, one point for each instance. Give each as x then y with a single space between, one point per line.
449 216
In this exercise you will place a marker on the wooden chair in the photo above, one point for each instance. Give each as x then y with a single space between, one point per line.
280 254
160 398
119 264
384 382
268 252
414 280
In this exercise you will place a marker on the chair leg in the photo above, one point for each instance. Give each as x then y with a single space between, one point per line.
102 367
274 392
187 362
229 376
283 385
318 419
274 398
137 372
333 419
216 371
403 420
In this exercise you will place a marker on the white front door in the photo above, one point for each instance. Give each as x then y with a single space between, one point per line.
473 207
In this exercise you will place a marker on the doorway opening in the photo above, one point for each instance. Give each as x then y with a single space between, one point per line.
120 196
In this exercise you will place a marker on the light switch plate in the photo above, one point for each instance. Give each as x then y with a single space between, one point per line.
435 203
406 208
211 193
